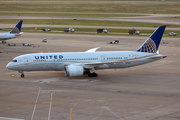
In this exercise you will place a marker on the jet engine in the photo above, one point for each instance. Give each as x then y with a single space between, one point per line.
74 70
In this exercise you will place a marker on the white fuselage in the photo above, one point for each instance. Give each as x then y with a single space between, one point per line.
8 35
58 61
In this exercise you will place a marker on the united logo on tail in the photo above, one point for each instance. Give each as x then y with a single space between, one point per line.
152 43
17 28
149 46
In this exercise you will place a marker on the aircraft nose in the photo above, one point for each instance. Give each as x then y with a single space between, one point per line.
8 66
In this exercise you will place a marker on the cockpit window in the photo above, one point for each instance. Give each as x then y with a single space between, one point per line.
14 60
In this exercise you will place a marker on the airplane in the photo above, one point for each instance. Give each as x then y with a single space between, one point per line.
15 32
79 63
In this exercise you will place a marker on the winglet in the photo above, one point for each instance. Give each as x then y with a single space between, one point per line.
17 28
152 43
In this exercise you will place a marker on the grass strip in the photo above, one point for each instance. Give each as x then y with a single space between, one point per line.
85 22
86 6
65 14
89 31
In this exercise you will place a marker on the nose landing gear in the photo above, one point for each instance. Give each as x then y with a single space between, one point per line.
22 73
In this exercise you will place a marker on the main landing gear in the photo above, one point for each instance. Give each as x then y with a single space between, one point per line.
22 73
4 41
91 74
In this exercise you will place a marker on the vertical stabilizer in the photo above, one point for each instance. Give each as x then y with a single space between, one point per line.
17 28
152 43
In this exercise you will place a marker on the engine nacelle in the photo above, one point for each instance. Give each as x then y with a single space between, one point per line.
74 70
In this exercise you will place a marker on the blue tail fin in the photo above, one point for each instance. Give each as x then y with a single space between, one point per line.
152 43
17 28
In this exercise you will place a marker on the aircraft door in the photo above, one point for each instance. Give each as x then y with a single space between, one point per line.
134 56
26 61
103 58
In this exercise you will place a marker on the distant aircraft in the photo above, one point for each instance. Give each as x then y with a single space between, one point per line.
79 63
15 32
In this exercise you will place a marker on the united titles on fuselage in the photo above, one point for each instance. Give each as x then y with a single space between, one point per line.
49 57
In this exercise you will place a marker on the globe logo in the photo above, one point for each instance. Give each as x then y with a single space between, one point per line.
149 46
15 30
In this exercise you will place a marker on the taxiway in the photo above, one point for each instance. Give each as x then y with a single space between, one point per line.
146 92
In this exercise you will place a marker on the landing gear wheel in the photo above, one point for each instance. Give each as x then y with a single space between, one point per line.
94 74
90 75
22 75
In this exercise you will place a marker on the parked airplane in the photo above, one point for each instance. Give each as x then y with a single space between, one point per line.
79 63
15 32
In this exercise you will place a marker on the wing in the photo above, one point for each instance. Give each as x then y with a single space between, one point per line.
92 65
93 49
